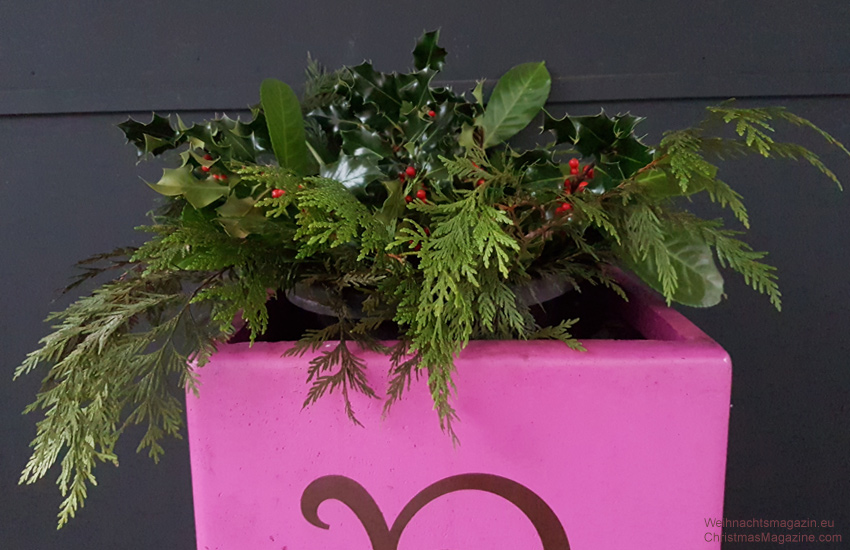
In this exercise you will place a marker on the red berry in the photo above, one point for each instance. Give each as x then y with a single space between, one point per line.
582 185
574 171
566 207
480 182
205 168
432 113
215 176
421 194
427 231
573 163
277 193
209 157
418 247
590 173
223 176
410 171
300 186
408 199
401 177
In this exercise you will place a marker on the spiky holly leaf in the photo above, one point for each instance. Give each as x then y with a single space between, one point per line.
361 141
378 88
427 55
155 137
355 173
180 181
612 142
543 181
563 128
414 88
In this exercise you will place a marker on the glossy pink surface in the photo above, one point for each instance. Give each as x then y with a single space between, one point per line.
625 443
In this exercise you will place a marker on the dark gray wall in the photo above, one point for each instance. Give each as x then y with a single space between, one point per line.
70 188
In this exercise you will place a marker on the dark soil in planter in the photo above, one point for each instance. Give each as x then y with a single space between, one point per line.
596 307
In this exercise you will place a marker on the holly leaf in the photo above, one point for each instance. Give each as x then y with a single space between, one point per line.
414 88
394 206
286 125
517 98
543 180
355 173
611 140
625 157
563 128
427 55
180 181
361 141
377 88
595 134
155 137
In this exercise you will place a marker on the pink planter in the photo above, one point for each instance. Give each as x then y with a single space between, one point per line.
623 446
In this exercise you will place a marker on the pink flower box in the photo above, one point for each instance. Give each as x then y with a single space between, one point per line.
623 446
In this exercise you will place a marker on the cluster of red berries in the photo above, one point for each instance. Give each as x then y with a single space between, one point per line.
410 172
421 195
576 174
206 169
564 208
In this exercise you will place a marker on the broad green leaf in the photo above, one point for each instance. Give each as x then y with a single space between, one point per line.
699 283
286 125
517 98
180 181
427 55
660 184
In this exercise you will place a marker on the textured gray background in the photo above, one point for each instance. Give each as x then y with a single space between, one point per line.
69 188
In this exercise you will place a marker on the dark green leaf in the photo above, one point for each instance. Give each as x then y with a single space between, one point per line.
427 55
355 173
564 129
595 134
157 132
517 98
414 88
377 88
286 126
361 141
544 181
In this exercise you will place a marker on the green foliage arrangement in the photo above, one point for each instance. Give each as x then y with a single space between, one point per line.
406 194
